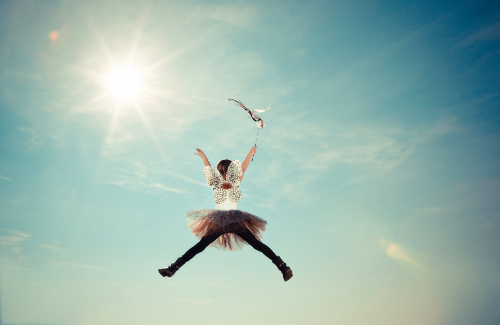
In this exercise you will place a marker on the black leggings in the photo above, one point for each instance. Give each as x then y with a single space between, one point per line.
246 236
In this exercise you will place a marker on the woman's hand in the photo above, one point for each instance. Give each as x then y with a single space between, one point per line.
202 155
253 151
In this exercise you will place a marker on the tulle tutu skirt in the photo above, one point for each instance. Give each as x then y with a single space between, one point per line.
228 223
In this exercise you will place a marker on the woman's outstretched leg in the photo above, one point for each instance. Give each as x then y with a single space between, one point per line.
199 247
257 244
196 249
264 249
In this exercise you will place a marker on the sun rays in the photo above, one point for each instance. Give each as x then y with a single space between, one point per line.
127 84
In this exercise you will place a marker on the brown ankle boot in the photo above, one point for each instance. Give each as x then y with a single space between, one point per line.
287 272
169 271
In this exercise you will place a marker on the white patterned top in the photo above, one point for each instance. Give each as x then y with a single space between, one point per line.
225 199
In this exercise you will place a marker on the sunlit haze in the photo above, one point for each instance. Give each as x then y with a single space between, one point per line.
377 169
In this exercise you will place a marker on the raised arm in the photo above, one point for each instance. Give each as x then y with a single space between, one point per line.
245 164
202 155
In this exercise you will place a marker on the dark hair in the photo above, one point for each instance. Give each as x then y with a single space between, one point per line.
222 166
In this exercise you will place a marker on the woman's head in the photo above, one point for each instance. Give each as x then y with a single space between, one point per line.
222 167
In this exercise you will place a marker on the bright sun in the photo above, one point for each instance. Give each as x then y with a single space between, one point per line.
124 82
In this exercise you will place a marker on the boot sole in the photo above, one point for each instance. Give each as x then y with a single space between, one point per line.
288 275
164 274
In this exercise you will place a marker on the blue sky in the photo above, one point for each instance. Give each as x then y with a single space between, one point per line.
377 171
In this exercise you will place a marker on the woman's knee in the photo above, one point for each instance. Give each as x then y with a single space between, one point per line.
252 240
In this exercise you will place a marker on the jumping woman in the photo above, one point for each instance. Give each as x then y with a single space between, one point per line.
226 227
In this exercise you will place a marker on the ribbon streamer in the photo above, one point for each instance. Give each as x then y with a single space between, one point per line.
253 114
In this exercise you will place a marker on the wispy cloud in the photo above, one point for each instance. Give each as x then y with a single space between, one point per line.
75 265
151 178
367 146
5 178
249 307
18 233
267 205
161 171
123 285
35 284
13 239
164 188
311 149
236 16
486 33
137 181
431 211
215 284
55 247
14 267
171 284
191 301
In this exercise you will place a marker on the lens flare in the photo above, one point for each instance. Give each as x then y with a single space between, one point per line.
396 252
54 35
